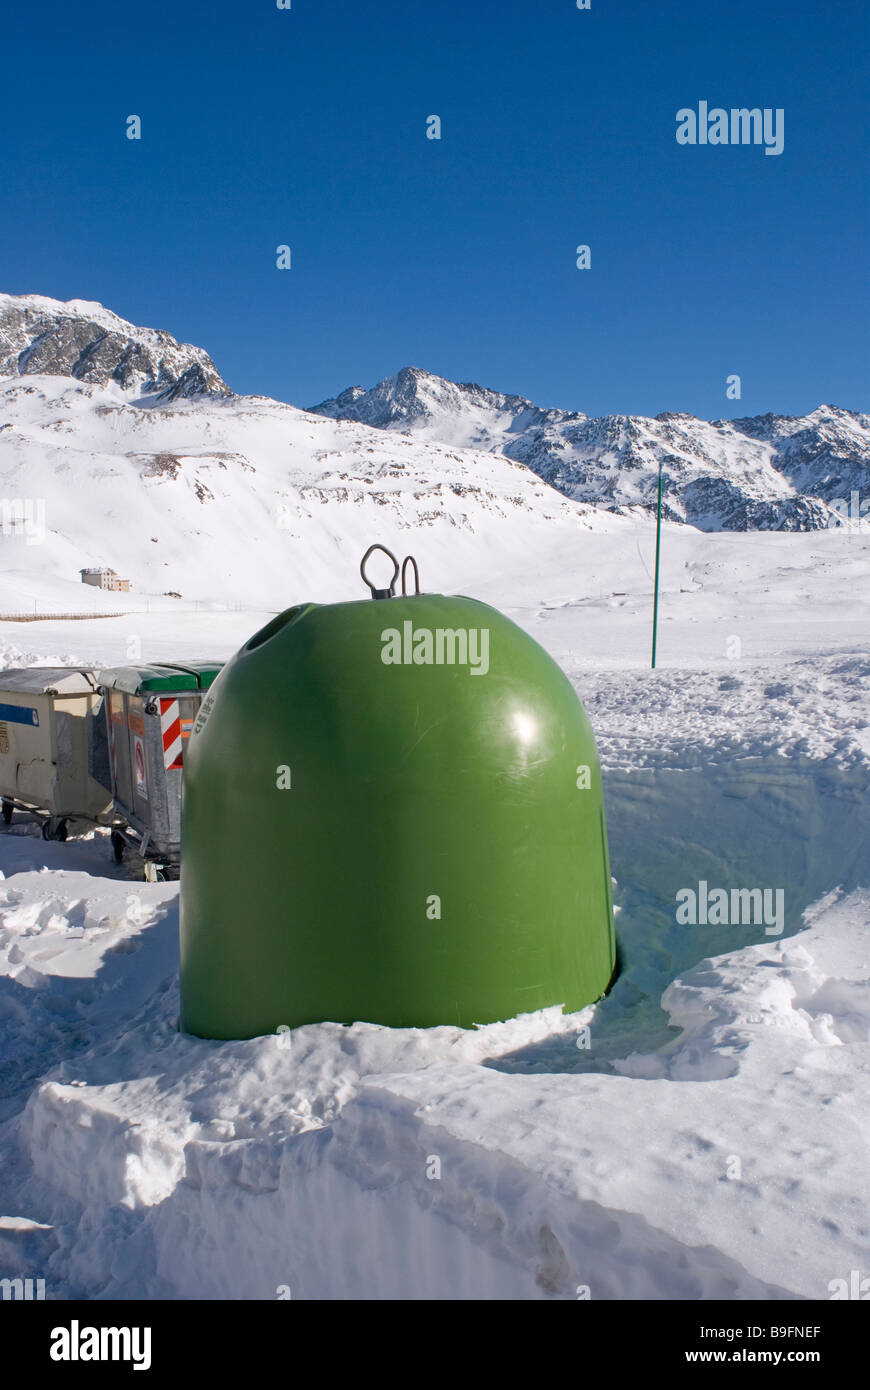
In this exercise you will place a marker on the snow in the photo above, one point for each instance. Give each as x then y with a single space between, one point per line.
706 1138
152 1164
761 472
89 309
142 1163
217 498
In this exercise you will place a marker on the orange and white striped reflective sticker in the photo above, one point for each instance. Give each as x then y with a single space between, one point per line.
170 727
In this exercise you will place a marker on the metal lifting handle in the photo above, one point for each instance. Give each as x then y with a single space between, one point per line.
380 593
390 592
409 560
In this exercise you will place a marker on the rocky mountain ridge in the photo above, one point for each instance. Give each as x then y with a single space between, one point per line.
767 472
81 339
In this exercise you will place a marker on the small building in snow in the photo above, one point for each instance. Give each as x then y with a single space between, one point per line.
103 578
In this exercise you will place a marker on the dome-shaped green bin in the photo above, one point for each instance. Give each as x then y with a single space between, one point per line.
392 812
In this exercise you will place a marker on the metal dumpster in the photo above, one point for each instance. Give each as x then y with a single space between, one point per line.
53 747
150 712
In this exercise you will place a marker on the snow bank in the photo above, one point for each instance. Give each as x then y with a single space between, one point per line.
708 1142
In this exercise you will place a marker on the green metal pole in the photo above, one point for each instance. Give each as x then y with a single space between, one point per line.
656 583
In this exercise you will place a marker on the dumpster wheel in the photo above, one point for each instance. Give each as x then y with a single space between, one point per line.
54 829
7 808
161 873
119 844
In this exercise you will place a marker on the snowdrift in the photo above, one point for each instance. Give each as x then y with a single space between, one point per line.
704 1139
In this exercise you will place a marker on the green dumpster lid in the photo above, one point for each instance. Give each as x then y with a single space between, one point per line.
137 680
206 672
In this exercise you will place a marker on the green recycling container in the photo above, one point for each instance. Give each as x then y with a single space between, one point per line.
392 812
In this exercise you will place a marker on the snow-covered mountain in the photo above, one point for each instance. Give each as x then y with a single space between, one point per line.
128 451
81 339
767 472
123 448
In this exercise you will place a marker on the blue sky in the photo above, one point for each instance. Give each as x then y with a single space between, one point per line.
307 127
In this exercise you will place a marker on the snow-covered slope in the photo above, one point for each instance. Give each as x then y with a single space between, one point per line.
127 450
767 472
705 1139
151 440
81 339
211 497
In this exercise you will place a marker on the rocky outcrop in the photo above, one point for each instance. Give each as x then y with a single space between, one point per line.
85 341
768 472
